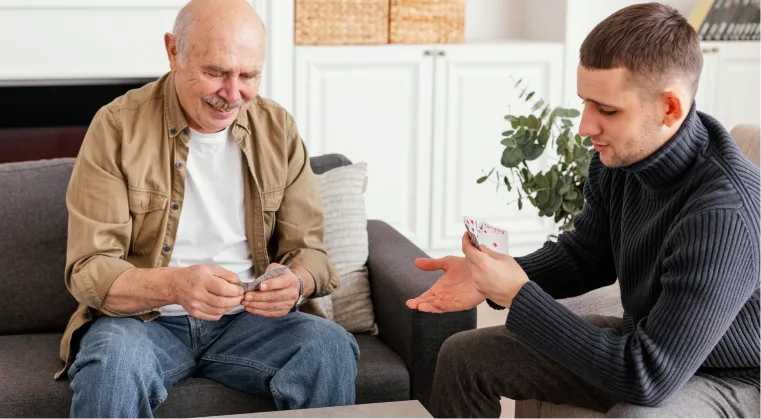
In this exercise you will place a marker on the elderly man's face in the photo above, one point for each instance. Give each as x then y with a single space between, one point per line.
218 75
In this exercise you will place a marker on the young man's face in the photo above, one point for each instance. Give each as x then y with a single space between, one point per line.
625 127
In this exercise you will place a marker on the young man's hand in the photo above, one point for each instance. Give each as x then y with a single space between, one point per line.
454 291
497 276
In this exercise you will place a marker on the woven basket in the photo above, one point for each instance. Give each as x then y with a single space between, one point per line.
341 22
427 22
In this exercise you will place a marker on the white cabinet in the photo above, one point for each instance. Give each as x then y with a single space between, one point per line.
427 120
729 84
373 104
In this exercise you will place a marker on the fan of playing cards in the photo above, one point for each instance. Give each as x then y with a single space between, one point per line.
481 232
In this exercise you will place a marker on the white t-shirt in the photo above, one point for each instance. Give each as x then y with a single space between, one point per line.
211 229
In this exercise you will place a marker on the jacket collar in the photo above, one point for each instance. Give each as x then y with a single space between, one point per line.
177 124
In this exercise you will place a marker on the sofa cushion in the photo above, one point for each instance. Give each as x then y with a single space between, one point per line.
325 162
33 295
27 388
346 242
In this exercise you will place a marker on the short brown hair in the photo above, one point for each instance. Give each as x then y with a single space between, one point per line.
653 41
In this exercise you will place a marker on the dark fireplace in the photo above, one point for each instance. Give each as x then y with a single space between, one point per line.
47 120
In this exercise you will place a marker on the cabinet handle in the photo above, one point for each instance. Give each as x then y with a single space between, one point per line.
427 52
442 53
710 50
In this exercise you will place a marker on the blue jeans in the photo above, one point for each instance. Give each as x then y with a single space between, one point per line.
125 366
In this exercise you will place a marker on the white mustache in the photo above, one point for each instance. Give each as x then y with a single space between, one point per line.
223 104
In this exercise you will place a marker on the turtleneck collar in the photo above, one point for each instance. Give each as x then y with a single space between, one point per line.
671 162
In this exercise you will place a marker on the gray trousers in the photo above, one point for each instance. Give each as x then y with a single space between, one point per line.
476 367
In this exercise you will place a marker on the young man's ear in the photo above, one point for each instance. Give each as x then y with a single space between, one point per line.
171 50
674 105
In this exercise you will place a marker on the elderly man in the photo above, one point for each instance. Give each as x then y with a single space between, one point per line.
182 189
671 211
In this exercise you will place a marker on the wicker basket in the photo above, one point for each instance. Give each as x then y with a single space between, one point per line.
341 22
427 22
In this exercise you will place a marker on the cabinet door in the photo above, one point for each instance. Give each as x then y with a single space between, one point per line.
736 78
373 105
474 90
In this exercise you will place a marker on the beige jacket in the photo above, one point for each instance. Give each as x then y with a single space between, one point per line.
130 174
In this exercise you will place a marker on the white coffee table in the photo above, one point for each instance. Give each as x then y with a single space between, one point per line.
405 409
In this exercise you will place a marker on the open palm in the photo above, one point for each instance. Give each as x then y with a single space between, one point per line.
454 291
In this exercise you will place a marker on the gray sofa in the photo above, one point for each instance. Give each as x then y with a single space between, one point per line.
607 301
35 306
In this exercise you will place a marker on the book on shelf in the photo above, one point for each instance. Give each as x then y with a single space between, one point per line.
726 20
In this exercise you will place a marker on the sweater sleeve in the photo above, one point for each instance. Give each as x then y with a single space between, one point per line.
581 260
709 273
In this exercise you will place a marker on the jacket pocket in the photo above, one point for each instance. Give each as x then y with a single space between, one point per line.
271 201
147 209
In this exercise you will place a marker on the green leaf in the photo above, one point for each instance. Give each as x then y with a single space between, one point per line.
482 179
512 157
508 133
579 153
542 197
584 170
545 112
553 179
542 182
515 123
518 82
522 93
537 105
559 186
567 123
520 204
572 113
510 117
523 121
544 136
532 200
533 151
508 142
587 141
571 195
533 122
530 95
578 140
507 183
490 172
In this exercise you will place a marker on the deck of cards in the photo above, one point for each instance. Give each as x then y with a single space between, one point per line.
481 232
254 285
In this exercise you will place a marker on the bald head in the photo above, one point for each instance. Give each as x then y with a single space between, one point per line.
217 55
202 20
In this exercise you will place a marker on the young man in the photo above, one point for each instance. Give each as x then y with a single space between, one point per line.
671 211
182 189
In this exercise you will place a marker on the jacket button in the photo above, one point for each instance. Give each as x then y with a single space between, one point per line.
179 165
175 207
185 131
166 249
173 131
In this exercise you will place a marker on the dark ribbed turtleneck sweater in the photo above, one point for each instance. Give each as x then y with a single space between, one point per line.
680 231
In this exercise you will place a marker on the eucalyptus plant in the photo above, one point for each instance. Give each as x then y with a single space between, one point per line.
558 191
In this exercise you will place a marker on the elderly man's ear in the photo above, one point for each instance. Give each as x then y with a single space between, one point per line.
171 50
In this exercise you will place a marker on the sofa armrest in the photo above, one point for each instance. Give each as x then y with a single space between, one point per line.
416 337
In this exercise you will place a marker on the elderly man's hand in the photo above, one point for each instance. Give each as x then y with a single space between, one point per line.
498 277
276 296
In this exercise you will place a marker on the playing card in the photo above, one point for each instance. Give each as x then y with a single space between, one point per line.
481 232
471 225
254 285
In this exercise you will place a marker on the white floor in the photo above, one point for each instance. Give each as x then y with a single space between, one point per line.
490 317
